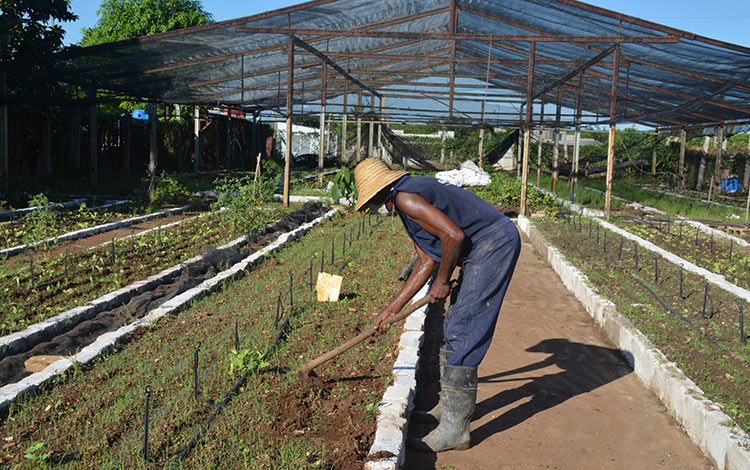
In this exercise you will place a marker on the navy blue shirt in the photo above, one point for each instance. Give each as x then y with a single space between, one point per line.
471 213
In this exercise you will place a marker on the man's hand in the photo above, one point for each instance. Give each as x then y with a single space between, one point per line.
439 291
384 314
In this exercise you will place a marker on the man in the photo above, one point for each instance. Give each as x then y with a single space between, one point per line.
449 226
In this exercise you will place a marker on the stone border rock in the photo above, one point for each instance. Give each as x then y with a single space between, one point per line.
26 210
106 342
716 279
694 223
398 399
709 428
87 232
22 341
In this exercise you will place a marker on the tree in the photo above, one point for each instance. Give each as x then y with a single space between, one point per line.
125 19
31 27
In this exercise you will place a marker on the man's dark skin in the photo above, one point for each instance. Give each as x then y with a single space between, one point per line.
451 237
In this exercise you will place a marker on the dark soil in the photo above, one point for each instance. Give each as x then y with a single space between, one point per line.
716 254
722 370
12 367
329 422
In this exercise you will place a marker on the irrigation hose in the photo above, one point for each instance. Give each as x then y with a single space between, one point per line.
180 454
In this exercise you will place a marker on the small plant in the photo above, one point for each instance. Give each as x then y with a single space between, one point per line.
35 452
245 361
243 201
41 222
344 186
169 190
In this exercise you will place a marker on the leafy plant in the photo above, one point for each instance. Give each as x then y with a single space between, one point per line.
344 186
35 452
169 190
243 200
41 222
245 361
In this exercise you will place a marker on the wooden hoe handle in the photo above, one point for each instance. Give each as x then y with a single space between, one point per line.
307 368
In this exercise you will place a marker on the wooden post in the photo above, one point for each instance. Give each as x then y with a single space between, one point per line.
556 151
358 152
4 130
45 161
577 144
381 103
153 150
229 140
289 106
127 148
702 166
196 139
746 179
322 149
719 151
527 128
371 133
75 139
653 156
93 138
442 148
343 118
539 147
611 146
681 167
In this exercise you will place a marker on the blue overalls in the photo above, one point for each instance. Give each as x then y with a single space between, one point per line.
490 251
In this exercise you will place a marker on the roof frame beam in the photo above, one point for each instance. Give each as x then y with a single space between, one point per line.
458 36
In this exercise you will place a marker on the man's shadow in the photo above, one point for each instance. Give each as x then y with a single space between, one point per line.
584 367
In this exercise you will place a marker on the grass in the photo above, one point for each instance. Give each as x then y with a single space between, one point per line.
105 429
722 375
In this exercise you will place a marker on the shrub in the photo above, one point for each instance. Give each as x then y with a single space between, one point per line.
243 200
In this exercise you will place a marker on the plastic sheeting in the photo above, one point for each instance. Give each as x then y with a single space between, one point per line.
689 81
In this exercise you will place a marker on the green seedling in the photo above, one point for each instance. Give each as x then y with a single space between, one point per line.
36 453
245 361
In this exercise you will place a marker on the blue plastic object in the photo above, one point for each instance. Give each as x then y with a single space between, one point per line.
140 114
730 184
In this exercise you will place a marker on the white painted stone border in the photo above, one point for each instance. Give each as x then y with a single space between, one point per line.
398 399
696 199
694 223
705 423
63 205
87 232
324 199
714 278
24 340
104 343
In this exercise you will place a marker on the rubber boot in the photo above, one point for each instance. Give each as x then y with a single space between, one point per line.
433 416
459 384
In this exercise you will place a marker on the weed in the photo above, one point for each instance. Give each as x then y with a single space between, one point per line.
36 453
245 360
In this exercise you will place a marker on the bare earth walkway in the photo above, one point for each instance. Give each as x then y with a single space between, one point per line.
553 394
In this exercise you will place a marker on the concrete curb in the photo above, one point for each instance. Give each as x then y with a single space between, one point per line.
725 444
24 340
324 199
715 279
398 399
21 212
693 223
87 232
106 342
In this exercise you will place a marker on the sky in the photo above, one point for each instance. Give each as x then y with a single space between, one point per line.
726 20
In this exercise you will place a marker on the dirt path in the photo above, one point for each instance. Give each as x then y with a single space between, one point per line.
94 240
553 393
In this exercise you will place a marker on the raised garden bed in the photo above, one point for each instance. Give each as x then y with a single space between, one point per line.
91 273
24 232
272 421
708 343
716 254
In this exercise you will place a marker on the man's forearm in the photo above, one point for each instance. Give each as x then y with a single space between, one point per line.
418 278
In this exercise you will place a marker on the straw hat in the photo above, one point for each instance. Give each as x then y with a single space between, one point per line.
371 177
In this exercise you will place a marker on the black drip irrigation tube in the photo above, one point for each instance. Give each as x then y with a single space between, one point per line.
663 304
280 336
